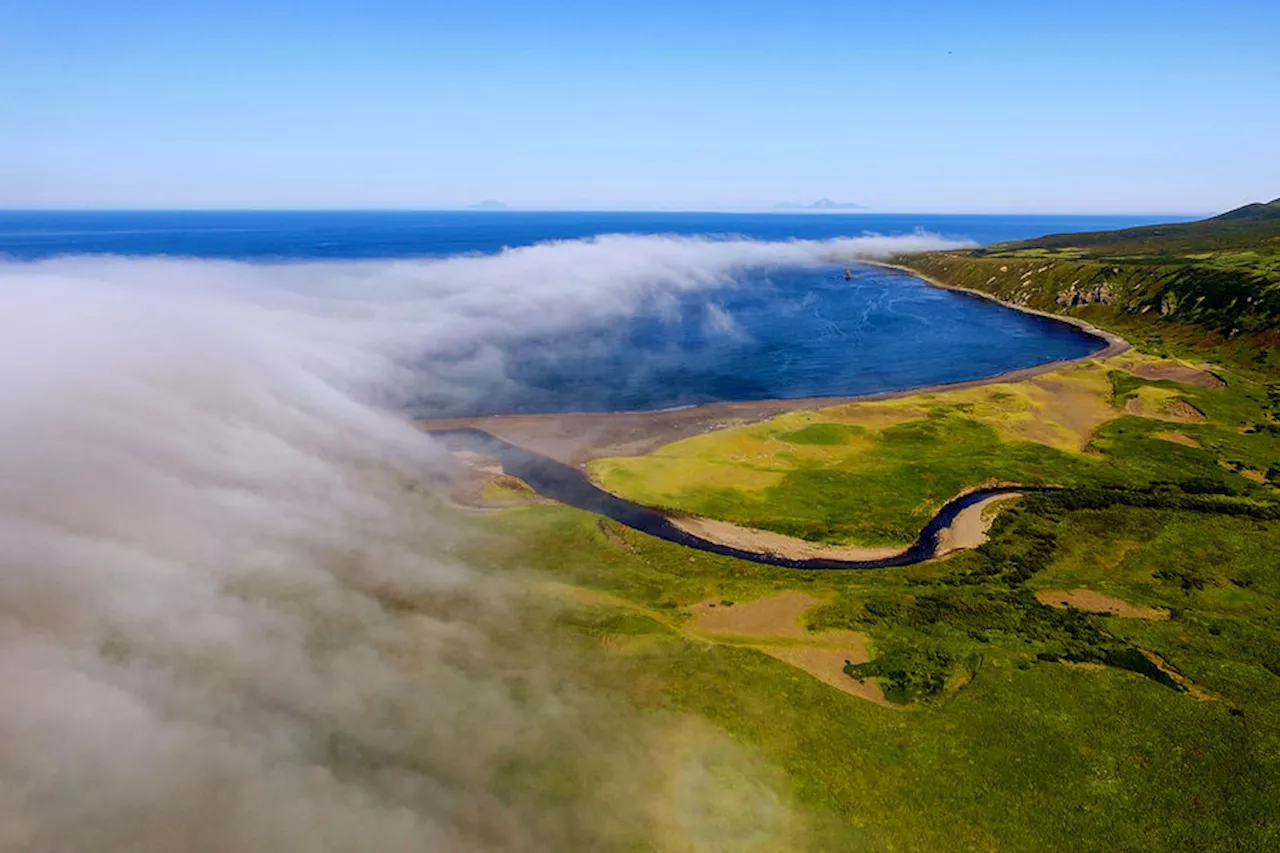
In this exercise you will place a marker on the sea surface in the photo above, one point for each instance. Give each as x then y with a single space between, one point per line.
292 235
777 332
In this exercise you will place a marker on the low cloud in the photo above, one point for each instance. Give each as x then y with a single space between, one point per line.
230 618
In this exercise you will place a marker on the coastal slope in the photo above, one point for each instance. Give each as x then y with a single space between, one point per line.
1211 286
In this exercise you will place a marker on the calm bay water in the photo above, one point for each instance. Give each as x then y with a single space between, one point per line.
774 333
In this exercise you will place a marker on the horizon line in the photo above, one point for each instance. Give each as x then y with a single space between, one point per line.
511 209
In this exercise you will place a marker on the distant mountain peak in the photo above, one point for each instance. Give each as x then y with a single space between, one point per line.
489 204
822 204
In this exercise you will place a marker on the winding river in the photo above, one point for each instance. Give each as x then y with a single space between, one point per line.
570 486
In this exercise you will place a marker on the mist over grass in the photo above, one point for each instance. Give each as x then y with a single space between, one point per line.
229 615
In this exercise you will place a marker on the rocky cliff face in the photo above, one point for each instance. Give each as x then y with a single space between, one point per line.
1075 296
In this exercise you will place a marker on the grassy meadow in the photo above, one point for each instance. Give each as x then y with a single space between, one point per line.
1007 724
1102 674
1021 726
874 473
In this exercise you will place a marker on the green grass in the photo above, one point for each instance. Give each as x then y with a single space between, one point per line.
1032 753
1023 727
911 468
1215 305
819 477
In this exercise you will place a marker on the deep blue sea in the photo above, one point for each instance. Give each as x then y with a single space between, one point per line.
275 235
776 332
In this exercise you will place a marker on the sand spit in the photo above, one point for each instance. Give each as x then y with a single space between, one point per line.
970 528
778 544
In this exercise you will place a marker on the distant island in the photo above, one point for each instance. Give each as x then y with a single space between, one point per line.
821 204
489 204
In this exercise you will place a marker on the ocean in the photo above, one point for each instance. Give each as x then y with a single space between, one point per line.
311 235
717 306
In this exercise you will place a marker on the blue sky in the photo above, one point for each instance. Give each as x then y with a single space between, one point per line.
927 106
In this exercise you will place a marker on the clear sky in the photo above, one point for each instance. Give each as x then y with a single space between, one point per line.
935 105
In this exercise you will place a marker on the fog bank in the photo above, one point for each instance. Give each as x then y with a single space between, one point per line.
230 618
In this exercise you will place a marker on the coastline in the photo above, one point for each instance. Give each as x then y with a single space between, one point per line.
1115 345
578 437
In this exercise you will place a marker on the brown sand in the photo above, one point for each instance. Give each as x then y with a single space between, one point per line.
969 529
778 544
1096 602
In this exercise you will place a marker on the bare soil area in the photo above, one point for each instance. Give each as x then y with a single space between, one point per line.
775 620
772 616
1178 411
1176 372
1096 602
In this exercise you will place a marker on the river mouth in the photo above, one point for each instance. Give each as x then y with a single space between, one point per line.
769 333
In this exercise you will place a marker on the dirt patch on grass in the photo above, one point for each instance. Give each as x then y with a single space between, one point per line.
775 619
1074 400
1175 372
969 529
1181 410
1168 409
1178 438
773 616
1096 602
778 544
826 663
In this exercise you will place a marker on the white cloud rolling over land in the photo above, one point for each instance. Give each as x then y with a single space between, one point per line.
230 618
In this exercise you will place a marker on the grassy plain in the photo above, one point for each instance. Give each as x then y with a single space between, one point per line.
1008 724
874 473
1033 751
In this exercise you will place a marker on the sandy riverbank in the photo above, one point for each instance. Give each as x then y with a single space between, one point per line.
968 530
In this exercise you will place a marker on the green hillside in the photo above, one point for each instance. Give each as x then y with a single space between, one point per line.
1253 227
1211 285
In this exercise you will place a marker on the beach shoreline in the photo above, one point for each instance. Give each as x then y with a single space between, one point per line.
1115 345
575 438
